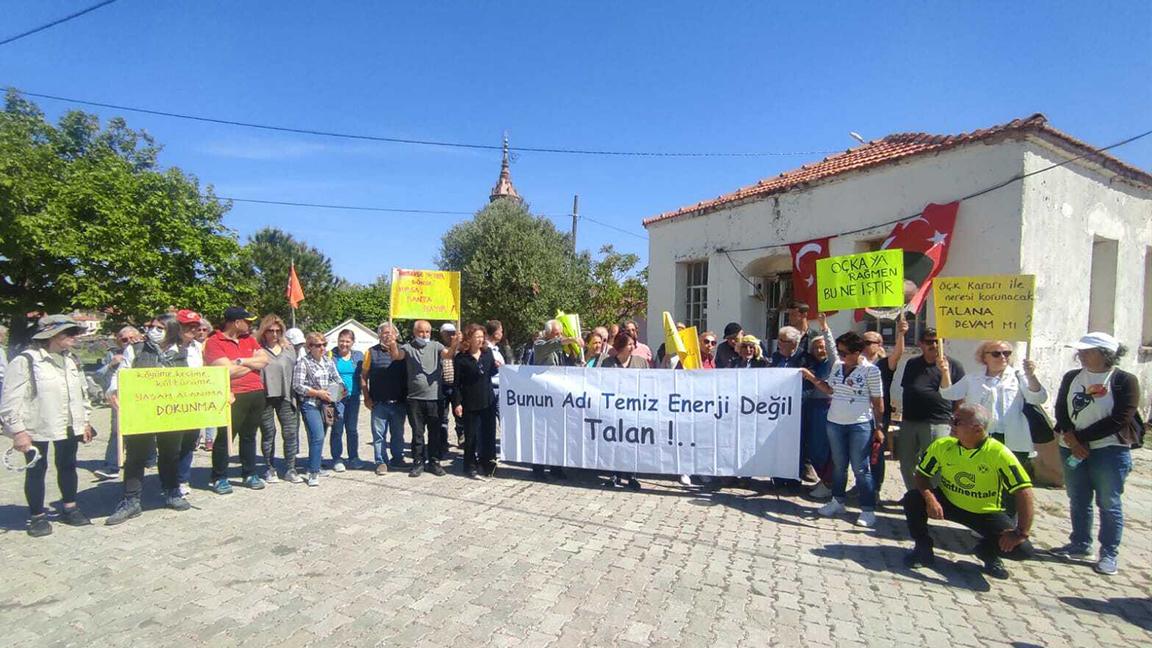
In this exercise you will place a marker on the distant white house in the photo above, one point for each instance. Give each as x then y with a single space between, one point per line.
365 337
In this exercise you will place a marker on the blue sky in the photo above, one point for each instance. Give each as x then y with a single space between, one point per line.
643 76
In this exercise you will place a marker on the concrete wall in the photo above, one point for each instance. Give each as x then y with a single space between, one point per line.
1065 210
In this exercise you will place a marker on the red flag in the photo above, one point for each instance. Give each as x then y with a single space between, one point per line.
804 256
925 240
294 293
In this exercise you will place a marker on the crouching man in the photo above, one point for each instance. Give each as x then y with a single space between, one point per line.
973 470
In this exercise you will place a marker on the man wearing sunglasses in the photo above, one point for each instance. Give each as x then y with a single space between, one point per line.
973 469
926 414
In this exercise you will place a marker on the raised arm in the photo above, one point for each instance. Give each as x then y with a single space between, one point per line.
898 348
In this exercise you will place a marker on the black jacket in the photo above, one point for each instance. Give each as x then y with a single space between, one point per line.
474 380
753 363
1126 396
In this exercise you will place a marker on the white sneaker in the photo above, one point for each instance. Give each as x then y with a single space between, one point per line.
832 508
270 476
313 479
867 519
820 491
685 480
338 466
185 490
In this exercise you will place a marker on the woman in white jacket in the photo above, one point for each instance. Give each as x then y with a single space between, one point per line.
1002 390
45 404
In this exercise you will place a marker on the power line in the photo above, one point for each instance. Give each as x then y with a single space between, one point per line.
421 142
58 21
398 210
1016 178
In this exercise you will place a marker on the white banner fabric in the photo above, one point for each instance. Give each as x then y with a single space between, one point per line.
734 422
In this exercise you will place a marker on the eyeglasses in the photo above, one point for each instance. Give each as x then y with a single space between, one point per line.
710 342
930 342
999 354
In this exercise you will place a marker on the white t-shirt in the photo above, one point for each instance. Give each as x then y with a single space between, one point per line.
1090 400
1004 397
852 394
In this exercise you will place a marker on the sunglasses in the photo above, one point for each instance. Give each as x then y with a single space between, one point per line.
930 342
999 354
710 342
317 345
277 331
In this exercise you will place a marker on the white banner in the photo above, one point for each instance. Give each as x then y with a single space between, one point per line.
736 422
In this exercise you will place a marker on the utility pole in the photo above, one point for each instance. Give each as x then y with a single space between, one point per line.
575 218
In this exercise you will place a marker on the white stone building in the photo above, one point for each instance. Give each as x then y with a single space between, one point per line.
1084 229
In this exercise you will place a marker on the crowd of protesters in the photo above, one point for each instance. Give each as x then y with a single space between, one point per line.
964 445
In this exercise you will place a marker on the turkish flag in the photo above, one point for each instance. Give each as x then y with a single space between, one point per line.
925 240
804 256
295 293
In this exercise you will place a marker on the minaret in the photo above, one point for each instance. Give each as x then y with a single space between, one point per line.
504 188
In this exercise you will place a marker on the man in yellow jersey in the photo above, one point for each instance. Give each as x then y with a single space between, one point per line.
973 470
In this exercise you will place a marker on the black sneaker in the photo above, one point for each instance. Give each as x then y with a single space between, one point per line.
416 471
176 501
73 517
920 557
490 471
994 567
633 484
126 510
39 526
436 469
472 473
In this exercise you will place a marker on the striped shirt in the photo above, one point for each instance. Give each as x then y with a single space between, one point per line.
852 393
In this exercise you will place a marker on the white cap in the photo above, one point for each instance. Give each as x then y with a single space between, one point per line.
1096 340
447 327
294 336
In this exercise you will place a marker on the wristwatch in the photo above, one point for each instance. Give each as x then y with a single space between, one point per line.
239 362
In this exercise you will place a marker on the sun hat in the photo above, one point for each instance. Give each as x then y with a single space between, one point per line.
50 326
1096 340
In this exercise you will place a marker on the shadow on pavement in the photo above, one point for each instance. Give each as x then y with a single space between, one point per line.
1137 611
963 575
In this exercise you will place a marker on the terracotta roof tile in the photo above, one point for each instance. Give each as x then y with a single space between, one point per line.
901 146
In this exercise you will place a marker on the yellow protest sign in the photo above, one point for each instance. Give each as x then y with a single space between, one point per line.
172 399
691 340
990 307
672 342
425 294
570 327
861 280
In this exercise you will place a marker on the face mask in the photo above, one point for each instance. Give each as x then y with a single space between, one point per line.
419 342
155 335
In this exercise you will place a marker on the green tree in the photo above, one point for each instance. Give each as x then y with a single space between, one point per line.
271 252
89 221
368 304
515 267
618 292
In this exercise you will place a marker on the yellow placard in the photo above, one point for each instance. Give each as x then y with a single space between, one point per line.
990 307
691 340
570 328
672 342
861 280
425 294
173 399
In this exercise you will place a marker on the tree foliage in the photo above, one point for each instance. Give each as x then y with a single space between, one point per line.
271 253
89 221
367 304
515 267
618 292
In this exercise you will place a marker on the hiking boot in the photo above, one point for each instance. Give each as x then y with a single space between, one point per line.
127 509
73 517
39 526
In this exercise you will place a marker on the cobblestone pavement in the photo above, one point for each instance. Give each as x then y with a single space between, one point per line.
390 560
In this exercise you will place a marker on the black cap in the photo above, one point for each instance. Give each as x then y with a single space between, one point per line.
732 329
234 313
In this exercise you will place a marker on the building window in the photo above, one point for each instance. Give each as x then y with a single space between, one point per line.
696 296
777 294
1102 287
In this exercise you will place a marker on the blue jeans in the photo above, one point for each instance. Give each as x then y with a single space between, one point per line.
852 444
347 421
314 423
388 417
1100 477
814 435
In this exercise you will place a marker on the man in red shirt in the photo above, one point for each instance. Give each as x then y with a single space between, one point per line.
233 346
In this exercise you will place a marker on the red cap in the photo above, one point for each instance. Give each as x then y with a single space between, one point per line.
185 316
